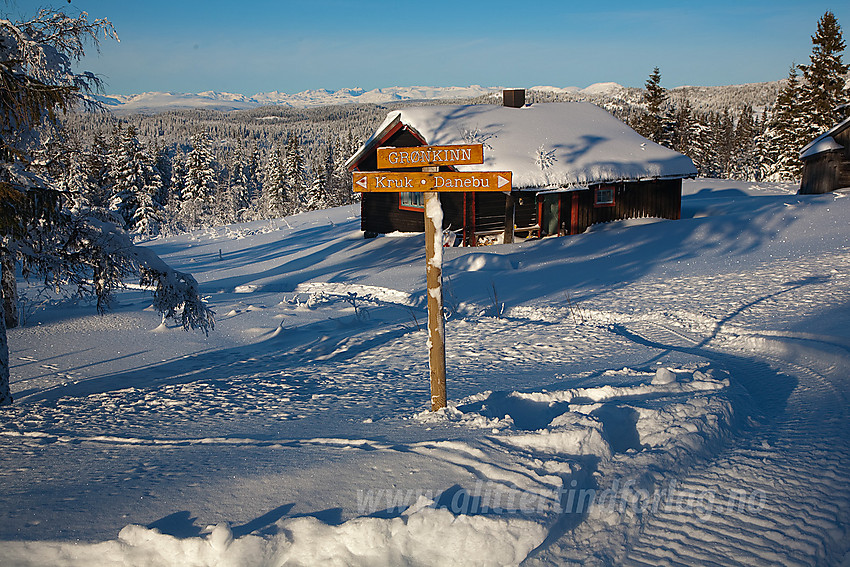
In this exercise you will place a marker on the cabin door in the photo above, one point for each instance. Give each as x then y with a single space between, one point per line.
551 218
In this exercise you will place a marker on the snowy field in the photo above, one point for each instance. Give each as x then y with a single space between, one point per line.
648 393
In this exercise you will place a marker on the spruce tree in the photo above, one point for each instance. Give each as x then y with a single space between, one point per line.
293 174
822 91
654 98
75 182
274 195
148 217
684 128
48 240
316 196
783 134
199 184
97 166
743 164
123 176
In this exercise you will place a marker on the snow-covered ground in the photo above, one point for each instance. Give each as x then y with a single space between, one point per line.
650 392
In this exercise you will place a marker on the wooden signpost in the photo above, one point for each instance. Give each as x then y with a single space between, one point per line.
426 156
445 181
431 181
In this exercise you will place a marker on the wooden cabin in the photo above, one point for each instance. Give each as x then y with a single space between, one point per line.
573 165
826 161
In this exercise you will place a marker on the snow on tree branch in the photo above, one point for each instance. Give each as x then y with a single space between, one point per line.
96 257
36 64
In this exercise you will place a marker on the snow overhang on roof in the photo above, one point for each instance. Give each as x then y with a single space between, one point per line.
821 145
544 145
825 142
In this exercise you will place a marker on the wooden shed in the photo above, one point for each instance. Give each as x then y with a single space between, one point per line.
573 165
826 161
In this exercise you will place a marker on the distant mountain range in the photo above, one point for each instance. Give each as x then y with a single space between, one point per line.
154 102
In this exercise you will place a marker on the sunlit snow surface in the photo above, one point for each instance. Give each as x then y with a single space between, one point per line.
651 392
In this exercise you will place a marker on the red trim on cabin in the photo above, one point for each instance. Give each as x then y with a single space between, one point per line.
417 208
540 215
392 132
560 216
574 214
606 188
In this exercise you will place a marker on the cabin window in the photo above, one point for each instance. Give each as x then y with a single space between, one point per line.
604 196
411 201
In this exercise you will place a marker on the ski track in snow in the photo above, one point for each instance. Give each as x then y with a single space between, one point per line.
800 462
543 397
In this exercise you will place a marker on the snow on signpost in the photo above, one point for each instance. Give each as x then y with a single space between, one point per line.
431 181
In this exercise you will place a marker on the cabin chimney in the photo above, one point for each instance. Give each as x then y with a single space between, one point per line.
513 98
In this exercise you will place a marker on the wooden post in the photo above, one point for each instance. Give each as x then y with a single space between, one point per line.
431 182
434 276
509 218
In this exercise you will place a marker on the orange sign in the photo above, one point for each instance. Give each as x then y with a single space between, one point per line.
424 156
444 181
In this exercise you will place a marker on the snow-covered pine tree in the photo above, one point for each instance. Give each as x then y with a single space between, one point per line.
38 79
199 183
273 195
293 176
242 198
654 97
744 160
684 128
149 216
822 90
780 143
724 142
703 142
75 182
253 175
236 199
341 178
316 196
97 164
174 204
669 126
162 165
328 166
123 177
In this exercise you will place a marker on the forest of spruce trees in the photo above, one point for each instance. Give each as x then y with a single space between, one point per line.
180 170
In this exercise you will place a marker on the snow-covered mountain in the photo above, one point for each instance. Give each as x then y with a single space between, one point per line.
152 102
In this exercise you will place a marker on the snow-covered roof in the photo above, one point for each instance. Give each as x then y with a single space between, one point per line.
544 145
825 142
819 146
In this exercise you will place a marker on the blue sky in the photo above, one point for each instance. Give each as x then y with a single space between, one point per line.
258 46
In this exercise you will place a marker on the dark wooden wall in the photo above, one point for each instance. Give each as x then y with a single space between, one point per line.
660 199
828 171
379 213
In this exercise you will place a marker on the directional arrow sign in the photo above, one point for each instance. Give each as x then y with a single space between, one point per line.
424 156
448 181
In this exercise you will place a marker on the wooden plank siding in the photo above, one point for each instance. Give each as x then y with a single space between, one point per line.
380 213
661 199
828 171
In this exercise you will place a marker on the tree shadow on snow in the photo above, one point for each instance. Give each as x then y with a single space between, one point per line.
732 225
183 525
